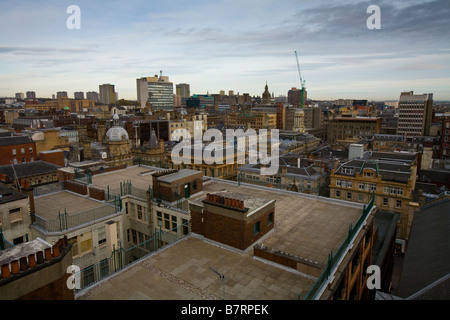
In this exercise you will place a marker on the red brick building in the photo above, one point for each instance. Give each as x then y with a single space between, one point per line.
232 218
17 149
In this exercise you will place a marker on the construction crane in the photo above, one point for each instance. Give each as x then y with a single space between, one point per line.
302 81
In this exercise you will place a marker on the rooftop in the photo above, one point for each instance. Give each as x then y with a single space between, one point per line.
140 177
28 169
306 226
48 206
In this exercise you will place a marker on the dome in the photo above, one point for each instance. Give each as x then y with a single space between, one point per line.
116 133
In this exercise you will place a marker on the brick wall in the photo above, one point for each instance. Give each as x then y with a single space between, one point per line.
56 290
235 232
96 193
76 187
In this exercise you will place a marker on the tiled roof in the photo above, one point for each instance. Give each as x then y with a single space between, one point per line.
28 169
14 140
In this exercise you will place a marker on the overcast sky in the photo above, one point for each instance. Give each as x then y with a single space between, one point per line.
227 45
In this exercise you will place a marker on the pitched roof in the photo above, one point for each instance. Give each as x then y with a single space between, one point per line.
427 261
10 141
28 169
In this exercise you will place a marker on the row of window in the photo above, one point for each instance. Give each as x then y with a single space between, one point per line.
22 151
349 196
370 187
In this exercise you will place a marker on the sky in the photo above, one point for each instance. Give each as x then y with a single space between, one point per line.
228 45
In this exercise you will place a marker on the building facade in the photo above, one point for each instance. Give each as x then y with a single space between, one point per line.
415 112
391 178
107 94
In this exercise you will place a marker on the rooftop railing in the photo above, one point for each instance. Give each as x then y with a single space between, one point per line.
333 259
65 221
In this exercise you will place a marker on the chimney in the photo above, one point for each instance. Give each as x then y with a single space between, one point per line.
15 267
40 257
31 260
48 254
5 271
23 264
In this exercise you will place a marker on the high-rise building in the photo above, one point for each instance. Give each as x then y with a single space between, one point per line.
61 94
415 112
31 95
107 94
295 97
159 92
20 96
183 90
142 91
78 95
92 95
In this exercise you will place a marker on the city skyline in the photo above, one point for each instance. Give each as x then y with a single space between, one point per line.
228 45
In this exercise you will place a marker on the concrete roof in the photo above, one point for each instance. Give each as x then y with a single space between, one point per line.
178 175
140 177
48 206
305 226
182 272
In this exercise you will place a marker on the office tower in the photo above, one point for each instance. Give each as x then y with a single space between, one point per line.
61 94
78 95
414 114
20 96
92 95
142 91
31 95
107 94
295 97
183 90
159 92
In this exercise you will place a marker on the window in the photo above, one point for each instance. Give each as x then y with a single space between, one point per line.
101 236
185 226
339 183
141 237
270 219
30 149
22 150
15 215
398 203
14 152
360 197
139 212
86 245
174 222
338 194
385 201
361 186
159 217
166 221
256 228
126 207
133 232
349 196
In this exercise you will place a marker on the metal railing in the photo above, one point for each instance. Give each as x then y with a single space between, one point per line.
121 258
65 221
333 259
